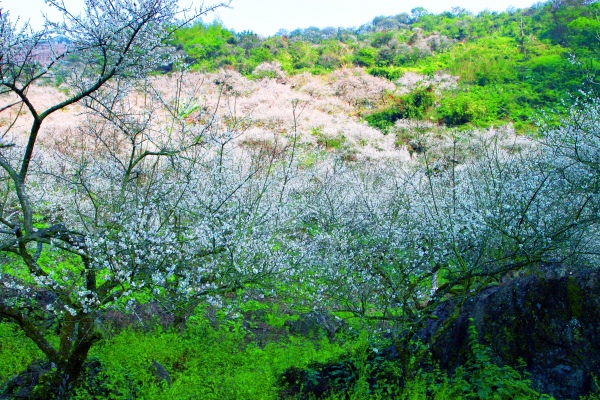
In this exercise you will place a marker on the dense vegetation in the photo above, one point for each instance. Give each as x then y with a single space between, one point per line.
155 248
510 64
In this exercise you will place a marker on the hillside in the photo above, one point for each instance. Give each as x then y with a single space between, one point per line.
408 209
509 65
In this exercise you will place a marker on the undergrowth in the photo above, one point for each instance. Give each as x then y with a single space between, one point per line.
221 360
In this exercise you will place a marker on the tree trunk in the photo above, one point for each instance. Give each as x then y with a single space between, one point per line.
76 340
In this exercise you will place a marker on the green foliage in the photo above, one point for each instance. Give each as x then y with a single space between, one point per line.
377 377
500 84
16 351
333 54
477 107
204 45
391 73
414 105
584 33
365 374
264 74
304 55
362 373
479 378
482 379
520 57
384 120
365 57
208 360
220 359
328 142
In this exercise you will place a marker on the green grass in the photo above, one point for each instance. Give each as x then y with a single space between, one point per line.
222 359
204 361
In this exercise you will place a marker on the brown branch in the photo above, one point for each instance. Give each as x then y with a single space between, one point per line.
31 331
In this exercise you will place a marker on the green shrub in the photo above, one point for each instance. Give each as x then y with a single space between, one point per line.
390 73
16 351
414 105
482 379
365 57
335 142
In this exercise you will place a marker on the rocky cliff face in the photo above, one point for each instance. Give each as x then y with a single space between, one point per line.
551 324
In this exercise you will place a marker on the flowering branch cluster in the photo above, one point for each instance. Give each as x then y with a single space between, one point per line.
84 224
391 242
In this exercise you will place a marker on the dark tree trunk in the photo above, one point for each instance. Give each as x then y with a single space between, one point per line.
76 340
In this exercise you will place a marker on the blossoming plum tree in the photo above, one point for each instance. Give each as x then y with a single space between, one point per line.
82 228
383 232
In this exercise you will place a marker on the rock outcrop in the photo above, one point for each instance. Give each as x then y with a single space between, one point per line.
553 325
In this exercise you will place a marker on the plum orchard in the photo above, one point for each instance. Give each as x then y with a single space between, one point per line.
404 239
152 198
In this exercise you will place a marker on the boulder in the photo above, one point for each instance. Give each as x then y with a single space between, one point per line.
552 324
22 386
314 325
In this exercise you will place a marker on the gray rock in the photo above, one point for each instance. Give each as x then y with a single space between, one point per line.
160 372
553 324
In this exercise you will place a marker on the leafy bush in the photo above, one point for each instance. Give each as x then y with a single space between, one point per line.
482 379
391 73
414 105
365 57
16 351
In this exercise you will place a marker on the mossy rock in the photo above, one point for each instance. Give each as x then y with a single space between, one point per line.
552 324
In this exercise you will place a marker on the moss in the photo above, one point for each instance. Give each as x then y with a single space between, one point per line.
575 298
